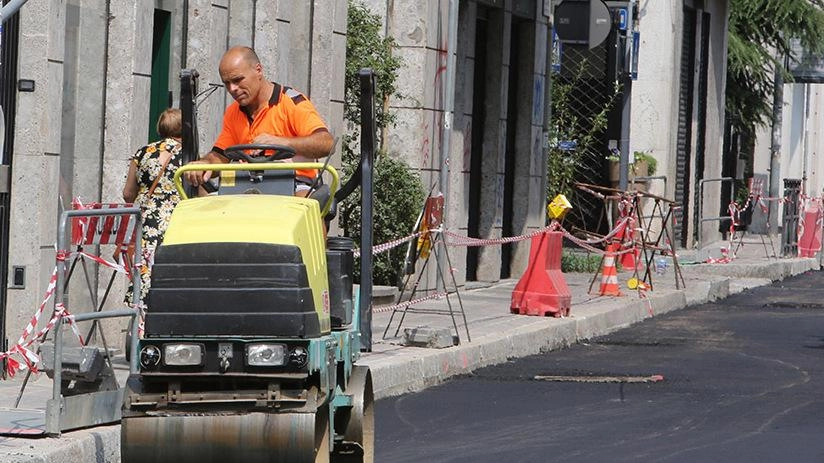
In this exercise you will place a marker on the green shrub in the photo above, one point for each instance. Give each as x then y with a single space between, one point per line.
576 262
646 156
399 198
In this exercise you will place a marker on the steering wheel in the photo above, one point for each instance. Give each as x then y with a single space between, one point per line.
279 153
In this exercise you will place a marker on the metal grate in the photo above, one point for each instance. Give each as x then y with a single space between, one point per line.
789 230
684 140
583 97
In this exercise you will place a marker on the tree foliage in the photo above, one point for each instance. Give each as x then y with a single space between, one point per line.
761 34
398 191
367 48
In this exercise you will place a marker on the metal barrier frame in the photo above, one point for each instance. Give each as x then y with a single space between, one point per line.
83 410
663 178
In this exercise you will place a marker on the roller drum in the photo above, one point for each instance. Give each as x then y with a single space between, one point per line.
253 437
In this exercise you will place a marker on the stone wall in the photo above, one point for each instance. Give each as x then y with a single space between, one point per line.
420 28
91 62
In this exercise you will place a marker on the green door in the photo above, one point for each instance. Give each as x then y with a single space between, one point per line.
161 51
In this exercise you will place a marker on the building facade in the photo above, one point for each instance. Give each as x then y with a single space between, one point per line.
802 140
100 71
678 108
495 183
102 68
497 162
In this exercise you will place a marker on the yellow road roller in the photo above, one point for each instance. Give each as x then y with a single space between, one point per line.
251 335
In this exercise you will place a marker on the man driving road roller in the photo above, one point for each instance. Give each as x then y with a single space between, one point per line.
265 112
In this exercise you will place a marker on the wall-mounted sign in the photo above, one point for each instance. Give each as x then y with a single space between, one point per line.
556 51
585 22
622 19
567 145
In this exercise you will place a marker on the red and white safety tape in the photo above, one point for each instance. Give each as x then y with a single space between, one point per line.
27 338
29 357
461 240
402 305
117 267
724 259
381 248
23 346
642 293
588 244
456 239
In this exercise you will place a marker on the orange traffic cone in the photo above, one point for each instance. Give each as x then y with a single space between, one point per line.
609 274
630 260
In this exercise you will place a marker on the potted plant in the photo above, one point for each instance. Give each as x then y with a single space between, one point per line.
614 159
643 164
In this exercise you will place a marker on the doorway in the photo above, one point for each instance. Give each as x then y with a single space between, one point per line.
8 97
476 154
160 99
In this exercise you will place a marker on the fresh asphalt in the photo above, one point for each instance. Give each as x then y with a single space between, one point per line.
742 382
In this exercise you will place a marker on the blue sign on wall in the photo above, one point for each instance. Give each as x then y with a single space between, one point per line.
567 145
556 50
622 19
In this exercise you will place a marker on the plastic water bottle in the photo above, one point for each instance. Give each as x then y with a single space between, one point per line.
661 264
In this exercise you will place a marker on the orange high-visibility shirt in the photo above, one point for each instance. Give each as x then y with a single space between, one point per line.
289 114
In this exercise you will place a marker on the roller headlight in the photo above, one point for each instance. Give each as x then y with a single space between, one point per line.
298 357
265 355
149 357
183 354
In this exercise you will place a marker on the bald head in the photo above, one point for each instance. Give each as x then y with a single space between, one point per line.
242 74
242 54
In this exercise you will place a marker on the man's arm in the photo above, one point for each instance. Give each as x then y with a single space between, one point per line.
197 178
314 146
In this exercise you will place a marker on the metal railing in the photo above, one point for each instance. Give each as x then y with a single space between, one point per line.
59 408
700 207
62 412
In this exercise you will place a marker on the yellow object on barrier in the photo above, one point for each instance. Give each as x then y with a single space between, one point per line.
634 283
558 208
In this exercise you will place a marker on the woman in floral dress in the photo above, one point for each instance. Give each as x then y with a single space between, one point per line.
159 159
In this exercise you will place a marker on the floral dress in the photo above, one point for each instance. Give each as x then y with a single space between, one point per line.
157 209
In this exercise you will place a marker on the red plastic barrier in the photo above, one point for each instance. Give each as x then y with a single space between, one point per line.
542 290
809 230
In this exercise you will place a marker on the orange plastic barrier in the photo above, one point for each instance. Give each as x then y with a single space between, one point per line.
542 290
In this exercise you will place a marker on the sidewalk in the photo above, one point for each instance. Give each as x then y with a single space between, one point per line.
496 336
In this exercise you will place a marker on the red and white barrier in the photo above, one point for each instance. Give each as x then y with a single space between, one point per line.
107 229
23 346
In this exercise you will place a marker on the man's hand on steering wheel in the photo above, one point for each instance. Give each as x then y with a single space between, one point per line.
252 153
197 178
